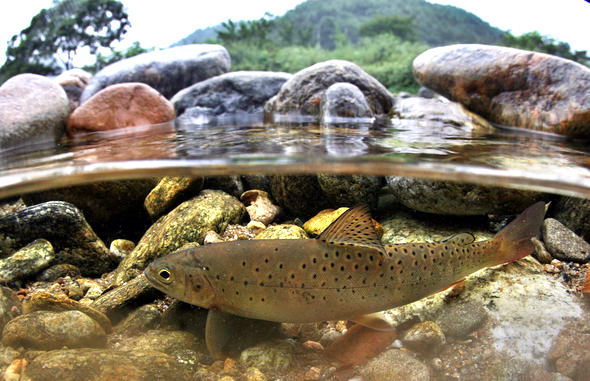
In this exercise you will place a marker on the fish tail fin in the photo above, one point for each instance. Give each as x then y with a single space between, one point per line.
515 239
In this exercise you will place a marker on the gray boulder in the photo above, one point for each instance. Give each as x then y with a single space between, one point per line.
305 90
32 109
344 100
246 91
167 71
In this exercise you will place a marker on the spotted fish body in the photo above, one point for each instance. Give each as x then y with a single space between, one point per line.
346 273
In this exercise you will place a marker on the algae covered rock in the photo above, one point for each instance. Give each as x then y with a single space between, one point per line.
188 222
27 262
395 364
171 191
285 231
447 197
301 195
51 330
318 223
102 364
62 224
350 190
10 306
270 357
425 337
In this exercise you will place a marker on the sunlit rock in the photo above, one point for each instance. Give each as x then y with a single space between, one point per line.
32 109
511 87
167 70
119 106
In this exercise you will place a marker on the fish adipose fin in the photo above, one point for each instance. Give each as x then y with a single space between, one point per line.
353 227
515 239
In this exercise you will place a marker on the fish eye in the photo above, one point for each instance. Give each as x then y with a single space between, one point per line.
165 275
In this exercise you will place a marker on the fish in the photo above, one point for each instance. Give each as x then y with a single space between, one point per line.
346 273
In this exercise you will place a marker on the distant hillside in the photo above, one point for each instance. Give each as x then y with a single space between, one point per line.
435 24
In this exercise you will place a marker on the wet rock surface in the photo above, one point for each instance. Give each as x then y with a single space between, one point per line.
570 351
51 330
445 197
170 192
285 231
563 243
167 71
574 213
240 91
10 306
298 194
510 86
395 364
100 364
27 262
120 106
305 90
188 222
259 206
61 223
343 190
73 82
344 100
32 108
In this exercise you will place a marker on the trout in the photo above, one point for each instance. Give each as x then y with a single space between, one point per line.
344 274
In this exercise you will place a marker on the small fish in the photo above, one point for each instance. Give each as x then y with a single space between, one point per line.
344 274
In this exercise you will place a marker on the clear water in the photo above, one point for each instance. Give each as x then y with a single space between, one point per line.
246 144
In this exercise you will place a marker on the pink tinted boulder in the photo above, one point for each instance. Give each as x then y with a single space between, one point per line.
119 106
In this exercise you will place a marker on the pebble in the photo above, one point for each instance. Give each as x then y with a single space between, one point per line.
395 364
254 374
274 356
27 262
259 206
458 320
425 337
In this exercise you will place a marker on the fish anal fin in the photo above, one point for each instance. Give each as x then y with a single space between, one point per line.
377 321
456 288
461 239
353 227
218 333
358 345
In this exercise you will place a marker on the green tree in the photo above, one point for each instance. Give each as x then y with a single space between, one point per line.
56 34
400 26
536 42
255 32
116 55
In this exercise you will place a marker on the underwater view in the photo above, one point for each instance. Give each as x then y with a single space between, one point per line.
184 214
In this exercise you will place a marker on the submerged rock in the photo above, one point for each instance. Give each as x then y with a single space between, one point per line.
344 100
120 106
27 262
318 223
118 299
141 320
106 205
425 337
350 190
10 306
570 351
64 226
259 206
510 86
574 213
51 330
270 357
305 90
446 197
300 195
188 222
285 231
240 91
395 364
167 342
458 320
170 192
103 364
32 109
563 243
58 271
167 70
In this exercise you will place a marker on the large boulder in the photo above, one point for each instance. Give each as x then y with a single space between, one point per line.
233 92
119 106
167 70
305 90
510 86
32 109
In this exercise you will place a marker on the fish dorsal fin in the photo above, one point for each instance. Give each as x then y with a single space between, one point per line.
353 227
461 239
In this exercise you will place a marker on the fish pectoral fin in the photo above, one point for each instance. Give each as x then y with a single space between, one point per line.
218 332
460 239
377 321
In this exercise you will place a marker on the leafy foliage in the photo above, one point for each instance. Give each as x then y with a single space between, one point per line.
116 55
254 32
539 43
56 34
401 26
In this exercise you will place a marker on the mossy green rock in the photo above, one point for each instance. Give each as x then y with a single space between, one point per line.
285 231
51 330
273 357
171 191
318 223
188 222
27 262
100 364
